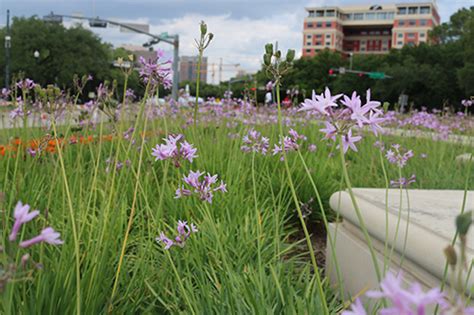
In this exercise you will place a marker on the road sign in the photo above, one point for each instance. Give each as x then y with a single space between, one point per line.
376 75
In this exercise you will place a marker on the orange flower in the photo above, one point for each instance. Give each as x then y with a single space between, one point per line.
16 141
50 149
34 144
107 138
2 150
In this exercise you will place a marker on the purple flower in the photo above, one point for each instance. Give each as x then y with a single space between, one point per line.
26 84
21 215
402 181
254 142
320 103
399 155
156 71
466 103
203 188
312 147
348 141
175 148
356 309
48 235
330 131
184 232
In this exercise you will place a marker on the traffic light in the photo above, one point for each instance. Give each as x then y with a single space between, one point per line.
97 23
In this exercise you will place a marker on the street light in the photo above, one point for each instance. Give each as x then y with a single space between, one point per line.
36 54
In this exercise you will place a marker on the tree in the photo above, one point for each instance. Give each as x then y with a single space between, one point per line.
63 52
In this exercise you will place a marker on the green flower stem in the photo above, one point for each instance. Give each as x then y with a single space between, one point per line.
73 221
357 210
321 292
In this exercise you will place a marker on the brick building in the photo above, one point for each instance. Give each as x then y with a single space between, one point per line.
368 29
188 68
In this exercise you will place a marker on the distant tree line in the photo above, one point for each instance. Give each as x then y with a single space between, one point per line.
431 75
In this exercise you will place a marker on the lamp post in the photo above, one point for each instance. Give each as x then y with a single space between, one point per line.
7 51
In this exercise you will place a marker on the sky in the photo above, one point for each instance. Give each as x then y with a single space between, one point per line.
241 27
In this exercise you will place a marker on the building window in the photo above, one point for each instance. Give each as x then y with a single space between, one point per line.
411 35
308 43
370 16
422 35
412 23
362 49
401 23
308 36
330 13
328 24
318 36
328 43
400 35
384 49
358 16
381 16
413 10
318 44
424 10
423 22
328 35
363 33
399 43
390 15
402 10
319 13
386 32
308 51
319 24
310 25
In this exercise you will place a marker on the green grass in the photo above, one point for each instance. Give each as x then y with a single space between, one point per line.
218 271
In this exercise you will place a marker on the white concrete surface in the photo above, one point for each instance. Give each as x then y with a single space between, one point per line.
430 219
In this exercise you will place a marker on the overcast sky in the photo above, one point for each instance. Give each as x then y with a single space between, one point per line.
241 27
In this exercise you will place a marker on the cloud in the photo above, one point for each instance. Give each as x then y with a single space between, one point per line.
235 40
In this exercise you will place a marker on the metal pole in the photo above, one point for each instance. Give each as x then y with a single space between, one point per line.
7 51
174 88
350 58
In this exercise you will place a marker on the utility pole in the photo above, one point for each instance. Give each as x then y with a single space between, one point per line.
220 70
7 51
175 65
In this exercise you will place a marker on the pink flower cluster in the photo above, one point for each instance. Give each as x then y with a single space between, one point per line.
340 119
254 142
175 148
411 301
204 188
184 232
398 155
290 143
156 71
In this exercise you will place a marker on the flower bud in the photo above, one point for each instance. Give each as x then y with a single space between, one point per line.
211 36
269 48
267 59
463 222
278 54
203 28
290 55
451 256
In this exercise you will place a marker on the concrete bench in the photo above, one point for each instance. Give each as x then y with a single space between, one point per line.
431 227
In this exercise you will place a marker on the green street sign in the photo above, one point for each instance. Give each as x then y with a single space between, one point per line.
376 75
